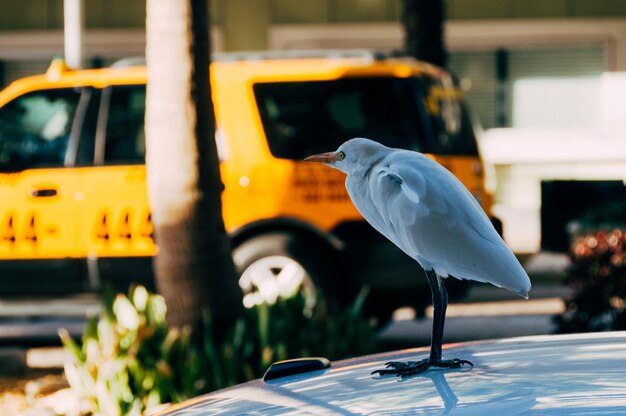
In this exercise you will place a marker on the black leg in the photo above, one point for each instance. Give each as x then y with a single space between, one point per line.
440 305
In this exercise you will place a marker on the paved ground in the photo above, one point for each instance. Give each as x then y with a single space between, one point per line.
36 321
28 328
487 312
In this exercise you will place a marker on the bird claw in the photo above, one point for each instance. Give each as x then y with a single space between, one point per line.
403 364
409 368
453 363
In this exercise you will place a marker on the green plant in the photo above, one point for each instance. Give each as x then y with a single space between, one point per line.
128 360
597 278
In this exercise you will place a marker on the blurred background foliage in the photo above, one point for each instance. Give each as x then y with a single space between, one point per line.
597 277
128 360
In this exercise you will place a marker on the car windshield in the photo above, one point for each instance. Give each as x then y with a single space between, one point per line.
303 118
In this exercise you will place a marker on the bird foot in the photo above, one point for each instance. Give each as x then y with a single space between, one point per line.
409 368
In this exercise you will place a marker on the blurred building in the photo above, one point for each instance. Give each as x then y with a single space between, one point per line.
494 46
525 64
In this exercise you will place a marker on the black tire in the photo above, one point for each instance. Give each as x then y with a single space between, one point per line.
272 250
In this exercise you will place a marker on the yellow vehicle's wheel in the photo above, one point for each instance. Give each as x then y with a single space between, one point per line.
272 277
279 265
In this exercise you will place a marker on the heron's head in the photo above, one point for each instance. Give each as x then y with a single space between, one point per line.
352 156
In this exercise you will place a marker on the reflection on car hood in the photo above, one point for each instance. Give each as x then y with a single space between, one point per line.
541 375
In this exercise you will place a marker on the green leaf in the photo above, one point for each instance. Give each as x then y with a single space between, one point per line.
70 345
156 310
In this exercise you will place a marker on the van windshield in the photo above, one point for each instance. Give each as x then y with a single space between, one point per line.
35 129
303 118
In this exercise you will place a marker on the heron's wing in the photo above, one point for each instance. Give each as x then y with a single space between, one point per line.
424 207
442 197
412 187
400 201
433 218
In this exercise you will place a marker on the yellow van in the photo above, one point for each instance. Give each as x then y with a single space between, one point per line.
73 206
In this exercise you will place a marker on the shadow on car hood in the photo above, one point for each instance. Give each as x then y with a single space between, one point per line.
541 375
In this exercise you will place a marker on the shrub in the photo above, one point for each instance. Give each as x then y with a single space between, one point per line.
128 360
597 277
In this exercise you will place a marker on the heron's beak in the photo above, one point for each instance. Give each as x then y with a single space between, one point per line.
328 157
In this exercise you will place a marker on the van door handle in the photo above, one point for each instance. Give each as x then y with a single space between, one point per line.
41 193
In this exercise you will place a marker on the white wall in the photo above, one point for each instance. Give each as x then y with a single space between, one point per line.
463 35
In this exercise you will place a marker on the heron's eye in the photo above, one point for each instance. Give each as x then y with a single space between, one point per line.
341 156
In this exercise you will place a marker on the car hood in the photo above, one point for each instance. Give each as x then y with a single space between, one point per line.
541 375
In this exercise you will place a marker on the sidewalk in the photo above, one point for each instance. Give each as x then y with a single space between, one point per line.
487 312
416 333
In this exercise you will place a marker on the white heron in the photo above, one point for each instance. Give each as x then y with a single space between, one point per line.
427 212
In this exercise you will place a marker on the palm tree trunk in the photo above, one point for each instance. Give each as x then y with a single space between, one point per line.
423 24
194 270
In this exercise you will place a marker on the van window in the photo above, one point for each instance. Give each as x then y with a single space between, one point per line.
450 125
124 137
303 118
35 129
